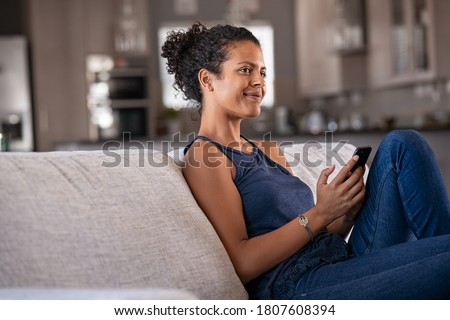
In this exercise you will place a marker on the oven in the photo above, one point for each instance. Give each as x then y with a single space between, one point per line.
117 97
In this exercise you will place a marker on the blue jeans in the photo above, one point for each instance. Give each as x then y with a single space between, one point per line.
401 239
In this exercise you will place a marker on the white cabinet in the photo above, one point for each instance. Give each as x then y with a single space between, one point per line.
321 69
99 25
408 41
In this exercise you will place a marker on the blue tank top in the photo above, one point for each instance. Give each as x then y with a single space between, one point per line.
271 197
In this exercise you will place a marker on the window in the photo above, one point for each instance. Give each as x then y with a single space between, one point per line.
262 31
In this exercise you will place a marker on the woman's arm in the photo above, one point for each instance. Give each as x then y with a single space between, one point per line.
340 226
209 174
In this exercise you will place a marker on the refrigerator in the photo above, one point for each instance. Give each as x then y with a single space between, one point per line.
16 118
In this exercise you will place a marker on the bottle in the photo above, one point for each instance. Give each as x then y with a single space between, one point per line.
3 142
282 120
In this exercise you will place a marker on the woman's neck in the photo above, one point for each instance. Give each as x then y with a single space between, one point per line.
220 128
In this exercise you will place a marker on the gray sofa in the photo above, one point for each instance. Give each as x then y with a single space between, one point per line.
111 224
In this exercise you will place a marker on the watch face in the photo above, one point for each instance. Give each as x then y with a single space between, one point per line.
303 220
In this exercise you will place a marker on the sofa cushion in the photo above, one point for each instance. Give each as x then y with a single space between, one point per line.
307 160
124 219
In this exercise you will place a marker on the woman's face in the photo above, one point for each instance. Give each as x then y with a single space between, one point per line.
240 87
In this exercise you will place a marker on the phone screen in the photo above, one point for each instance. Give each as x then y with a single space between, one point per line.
363 153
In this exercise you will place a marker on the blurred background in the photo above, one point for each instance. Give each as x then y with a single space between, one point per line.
77 73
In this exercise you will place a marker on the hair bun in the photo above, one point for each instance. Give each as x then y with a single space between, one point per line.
178 43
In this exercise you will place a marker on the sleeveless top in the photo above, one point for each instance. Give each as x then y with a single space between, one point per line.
271 197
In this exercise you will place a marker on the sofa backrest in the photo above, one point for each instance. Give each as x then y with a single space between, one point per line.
309 159
123 219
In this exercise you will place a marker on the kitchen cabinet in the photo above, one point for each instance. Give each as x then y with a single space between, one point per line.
323 70
408 41
62 34
116 27
117 57
55 32
99 21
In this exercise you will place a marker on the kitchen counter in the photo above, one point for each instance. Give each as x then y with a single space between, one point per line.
439 140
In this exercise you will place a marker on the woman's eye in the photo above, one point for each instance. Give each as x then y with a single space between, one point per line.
246 70
264 74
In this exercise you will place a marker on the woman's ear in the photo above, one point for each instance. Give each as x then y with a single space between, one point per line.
205 77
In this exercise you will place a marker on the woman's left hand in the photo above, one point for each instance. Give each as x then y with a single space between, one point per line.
343 225
353 213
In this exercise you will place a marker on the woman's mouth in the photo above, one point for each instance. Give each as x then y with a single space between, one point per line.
257 96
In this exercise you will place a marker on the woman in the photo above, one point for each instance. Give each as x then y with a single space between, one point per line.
281 243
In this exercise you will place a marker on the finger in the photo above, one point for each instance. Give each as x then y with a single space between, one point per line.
355 187
346 170
352 174
358 173
324 174
359 192
359 198
355 176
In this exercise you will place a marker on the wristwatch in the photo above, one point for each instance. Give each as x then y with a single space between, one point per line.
303 221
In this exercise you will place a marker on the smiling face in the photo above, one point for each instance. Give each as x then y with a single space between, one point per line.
240 87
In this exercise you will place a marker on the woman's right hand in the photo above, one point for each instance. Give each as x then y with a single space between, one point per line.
345 191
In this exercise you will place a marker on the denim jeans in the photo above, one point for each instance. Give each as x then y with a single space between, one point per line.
401 240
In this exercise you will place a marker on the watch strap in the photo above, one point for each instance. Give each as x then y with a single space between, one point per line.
303 221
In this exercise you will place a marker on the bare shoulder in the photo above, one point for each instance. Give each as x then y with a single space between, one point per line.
204 157
274 152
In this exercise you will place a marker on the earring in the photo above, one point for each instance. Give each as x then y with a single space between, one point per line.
210 88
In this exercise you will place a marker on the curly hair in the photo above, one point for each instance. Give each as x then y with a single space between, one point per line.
187 52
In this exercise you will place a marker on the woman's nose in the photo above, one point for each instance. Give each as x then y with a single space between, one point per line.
258 81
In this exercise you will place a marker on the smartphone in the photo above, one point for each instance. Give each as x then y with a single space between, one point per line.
363 153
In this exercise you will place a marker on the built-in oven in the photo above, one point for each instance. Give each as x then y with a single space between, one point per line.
16 118
117 97
125 83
